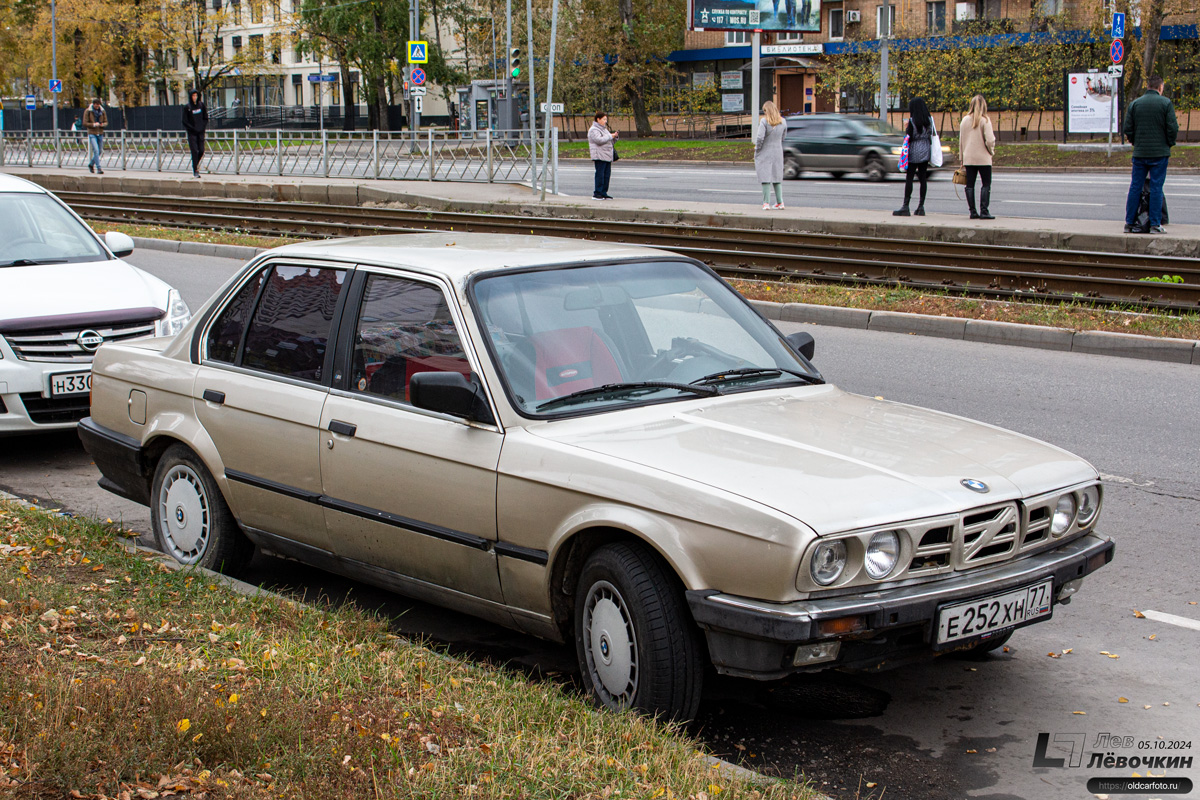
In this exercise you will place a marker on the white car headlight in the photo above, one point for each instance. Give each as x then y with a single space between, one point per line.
882 553
1064 515
176 317
828 561
1089 505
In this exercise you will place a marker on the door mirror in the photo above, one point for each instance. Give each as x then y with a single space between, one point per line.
450 393
120 243
802 343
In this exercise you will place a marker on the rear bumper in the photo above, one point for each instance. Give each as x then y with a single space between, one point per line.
119 458
757 639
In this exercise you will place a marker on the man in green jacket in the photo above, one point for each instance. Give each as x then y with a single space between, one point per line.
1151 125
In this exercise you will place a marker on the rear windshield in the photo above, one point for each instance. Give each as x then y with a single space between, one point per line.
35 228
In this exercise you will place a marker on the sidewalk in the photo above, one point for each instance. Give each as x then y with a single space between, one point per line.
499 198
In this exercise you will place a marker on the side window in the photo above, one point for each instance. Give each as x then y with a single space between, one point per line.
290 328
404 327
225 335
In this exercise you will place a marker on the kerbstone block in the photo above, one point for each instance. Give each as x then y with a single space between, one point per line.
1039 336
919 324
1128 345
826 315
314 193
767 308
342 194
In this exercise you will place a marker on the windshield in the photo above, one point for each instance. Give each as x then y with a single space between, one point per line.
586 338
36 229
877 127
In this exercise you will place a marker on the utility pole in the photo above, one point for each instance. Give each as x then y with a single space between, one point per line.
549 95
511 120
883 60
54 61
414 34
532 98
755 78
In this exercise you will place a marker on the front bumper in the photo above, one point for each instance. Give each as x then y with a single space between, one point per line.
758 639
25 404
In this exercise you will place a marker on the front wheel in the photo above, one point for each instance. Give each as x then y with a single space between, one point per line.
191 521
792 169
635 640
875 169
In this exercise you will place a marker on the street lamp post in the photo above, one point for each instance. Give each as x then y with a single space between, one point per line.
54 64
883 60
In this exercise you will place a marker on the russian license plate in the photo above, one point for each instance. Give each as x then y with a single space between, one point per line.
66 383
977 617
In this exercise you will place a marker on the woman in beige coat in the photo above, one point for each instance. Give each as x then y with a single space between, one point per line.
977 143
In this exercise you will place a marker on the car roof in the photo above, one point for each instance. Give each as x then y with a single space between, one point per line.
11 183
459 255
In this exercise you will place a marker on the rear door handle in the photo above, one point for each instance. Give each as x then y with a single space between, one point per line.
213 396
342 428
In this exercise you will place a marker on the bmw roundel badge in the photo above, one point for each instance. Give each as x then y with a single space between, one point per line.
975 486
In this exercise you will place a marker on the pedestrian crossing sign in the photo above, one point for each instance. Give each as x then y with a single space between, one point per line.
418 52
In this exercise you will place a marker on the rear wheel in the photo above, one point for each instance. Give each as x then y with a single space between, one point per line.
191 521
875 169
635 640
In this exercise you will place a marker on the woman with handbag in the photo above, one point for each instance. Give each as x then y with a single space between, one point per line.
977 143
600 145
920 135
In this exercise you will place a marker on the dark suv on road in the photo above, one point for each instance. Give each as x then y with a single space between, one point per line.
840 143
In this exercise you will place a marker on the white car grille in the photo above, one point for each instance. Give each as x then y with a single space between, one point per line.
75 344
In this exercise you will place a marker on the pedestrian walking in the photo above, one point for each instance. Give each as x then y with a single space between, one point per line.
768 154
95 120
976 145
195 122
920 133
1151 125
600 146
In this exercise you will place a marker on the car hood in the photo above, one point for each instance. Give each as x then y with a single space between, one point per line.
832 460
58 290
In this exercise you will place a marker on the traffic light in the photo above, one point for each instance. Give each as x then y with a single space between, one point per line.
514 62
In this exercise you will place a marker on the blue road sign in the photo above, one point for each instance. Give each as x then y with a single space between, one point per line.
314 77
56 86
330 77
1118 26
1117 51
418 52
418 76
30 102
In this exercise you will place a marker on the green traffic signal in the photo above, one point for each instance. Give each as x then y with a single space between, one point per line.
514 61
516 72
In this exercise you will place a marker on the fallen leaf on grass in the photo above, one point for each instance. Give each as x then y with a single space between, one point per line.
183 725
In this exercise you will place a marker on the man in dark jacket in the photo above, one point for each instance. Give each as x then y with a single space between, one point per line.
1151 125
195 122
95 120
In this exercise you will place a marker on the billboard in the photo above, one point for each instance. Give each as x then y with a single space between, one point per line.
751 15
1091 100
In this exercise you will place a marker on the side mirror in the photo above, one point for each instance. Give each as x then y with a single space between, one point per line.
803 343
120 244
450 393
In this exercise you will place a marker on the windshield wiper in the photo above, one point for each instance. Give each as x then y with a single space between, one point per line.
746 373
33 262
619 389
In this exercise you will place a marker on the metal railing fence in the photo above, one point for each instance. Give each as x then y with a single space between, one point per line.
489 157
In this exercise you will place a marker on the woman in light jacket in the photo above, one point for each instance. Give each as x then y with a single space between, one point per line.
977 143
768 154
600 147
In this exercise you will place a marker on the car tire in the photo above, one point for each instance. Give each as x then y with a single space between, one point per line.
876 170
792 169
634 637
191 520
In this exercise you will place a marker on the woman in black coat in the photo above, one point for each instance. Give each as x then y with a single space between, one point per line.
195 122
920 132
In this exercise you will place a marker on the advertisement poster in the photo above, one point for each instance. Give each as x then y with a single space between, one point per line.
733 102
702 79
731 79
1088 102
765 15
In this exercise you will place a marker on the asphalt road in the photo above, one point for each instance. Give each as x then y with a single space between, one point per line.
1095 196
940 730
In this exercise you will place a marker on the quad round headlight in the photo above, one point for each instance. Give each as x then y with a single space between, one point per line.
828 561
1089 505
882 552
1064 515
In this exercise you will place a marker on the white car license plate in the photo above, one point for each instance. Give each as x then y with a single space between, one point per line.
986 614
67 383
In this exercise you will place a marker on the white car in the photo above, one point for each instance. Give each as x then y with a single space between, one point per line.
64 291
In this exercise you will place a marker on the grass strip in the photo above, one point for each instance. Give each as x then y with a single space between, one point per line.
1069 316
193 234
121 678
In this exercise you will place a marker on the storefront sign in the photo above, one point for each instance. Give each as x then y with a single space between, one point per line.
738 15
793 49
733 102
731 79
701 79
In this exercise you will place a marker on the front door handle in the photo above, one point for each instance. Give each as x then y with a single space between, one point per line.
342 428
213 396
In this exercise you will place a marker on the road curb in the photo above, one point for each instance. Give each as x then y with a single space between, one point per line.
1105 343
237 251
